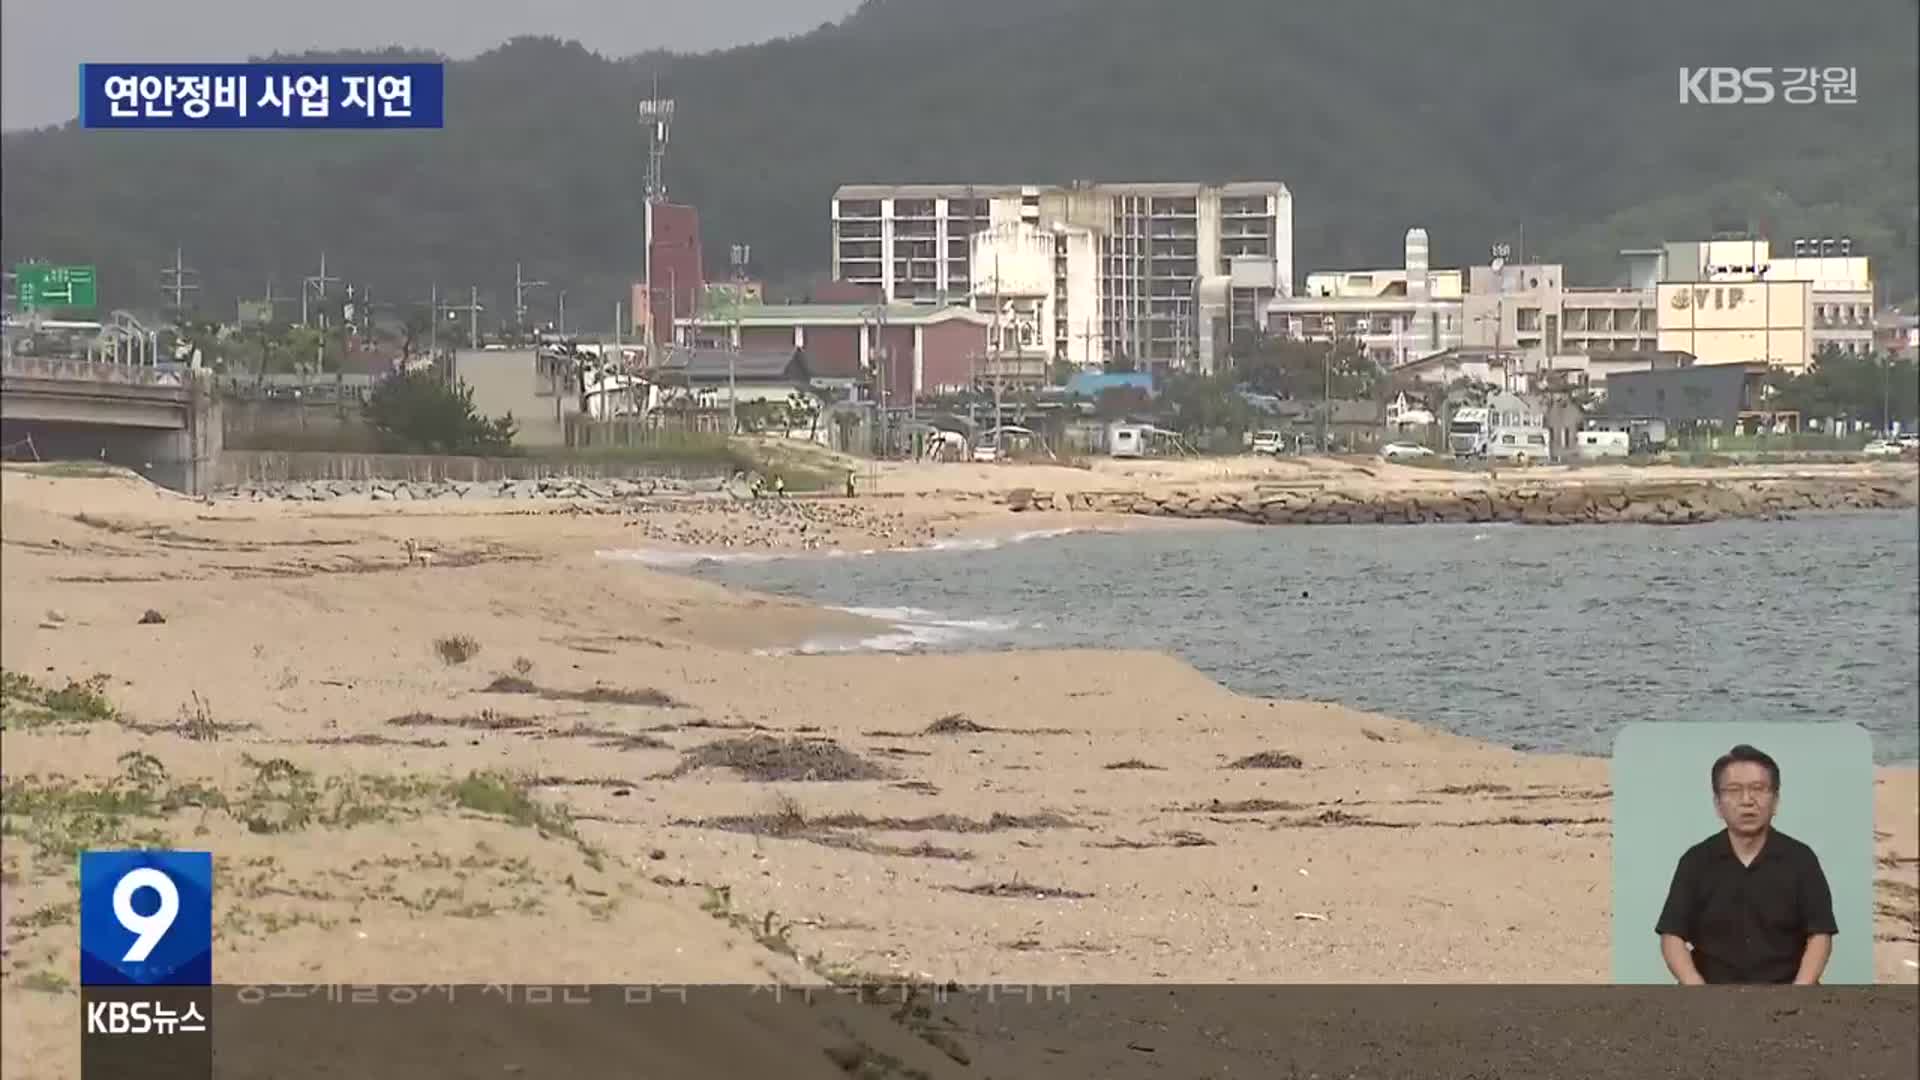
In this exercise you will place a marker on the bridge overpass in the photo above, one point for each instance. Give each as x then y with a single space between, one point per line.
162 421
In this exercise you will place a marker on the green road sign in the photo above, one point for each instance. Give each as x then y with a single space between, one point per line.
41 287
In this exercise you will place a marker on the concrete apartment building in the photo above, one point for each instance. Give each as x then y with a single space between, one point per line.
1164 273
1397 315
1527 312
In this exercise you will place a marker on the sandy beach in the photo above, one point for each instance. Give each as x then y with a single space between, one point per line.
527 761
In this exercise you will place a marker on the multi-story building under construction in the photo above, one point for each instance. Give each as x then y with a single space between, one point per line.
1164 274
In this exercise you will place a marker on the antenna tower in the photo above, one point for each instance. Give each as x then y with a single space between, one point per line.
656 115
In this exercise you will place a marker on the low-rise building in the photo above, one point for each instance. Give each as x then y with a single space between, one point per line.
902 351
1721 397
514 381
1531 310
1397 316
713 377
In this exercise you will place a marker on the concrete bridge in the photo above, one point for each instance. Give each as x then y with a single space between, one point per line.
162 421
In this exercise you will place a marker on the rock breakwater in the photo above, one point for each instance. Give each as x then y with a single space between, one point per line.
1657 503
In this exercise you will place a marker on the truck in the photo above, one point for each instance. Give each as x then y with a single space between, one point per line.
1469 432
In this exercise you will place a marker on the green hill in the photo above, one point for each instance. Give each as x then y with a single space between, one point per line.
1470 119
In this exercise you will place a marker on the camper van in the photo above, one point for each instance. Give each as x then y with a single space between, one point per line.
1521 446
1594 445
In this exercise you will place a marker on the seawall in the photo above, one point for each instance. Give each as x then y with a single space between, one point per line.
265 468
1656 503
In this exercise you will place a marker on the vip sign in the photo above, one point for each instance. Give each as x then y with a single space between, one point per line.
1721 298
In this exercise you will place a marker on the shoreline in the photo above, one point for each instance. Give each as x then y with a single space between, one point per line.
611 759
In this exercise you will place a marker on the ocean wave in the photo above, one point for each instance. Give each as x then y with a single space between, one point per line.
669 558
910 629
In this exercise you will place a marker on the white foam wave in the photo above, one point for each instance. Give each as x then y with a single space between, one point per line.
667 558
910 629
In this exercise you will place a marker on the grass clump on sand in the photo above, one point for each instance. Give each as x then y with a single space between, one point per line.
766 758
1267 759
457 649
26 704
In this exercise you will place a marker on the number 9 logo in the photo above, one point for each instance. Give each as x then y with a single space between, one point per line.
148 930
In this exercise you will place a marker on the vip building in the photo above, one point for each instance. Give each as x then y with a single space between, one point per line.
1166 275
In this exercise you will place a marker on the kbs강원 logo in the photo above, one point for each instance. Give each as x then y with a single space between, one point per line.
146 918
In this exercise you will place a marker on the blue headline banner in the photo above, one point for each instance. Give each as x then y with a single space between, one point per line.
262 96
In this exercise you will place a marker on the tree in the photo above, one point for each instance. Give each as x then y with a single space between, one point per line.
804 409
1306 370
412 330
419 412
1841 385
1203 404
530 174
1118 402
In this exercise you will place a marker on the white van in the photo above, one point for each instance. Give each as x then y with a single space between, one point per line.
1520 445
1604 444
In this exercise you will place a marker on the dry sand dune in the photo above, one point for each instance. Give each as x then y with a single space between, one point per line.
526 763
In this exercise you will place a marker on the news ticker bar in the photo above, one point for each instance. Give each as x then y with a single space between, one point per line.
217 97
581 1031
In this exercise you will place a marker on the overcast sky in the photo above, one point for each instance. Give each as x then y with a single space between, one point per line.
42 43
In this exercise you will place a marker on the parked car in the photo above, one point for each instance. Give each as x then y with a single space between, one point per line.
1269 442
1883 448
1909 439
1395 451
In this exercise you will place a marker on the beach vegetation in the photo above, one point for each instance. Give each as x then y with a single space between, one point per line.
420 412
456 648
25 703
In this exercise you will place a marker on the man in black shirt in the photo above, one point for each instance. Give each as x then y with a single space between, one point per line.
1751 902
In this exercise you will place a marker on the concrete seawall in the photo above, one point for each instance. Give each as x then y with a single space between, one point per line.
262 468
1657 503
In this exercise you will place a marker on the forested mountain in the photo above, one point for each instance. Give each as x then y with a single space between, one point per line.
1470 119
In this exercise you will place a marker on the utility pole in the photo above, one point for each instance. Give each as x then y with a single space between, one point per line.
739 255
1326 386
176 282
316 288
471 307
999 437
433 324
520 287
563 315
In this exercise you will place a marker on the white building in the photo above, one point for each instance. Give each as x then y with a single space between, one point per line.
1030 279
1838 286
1398 316
1176 270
